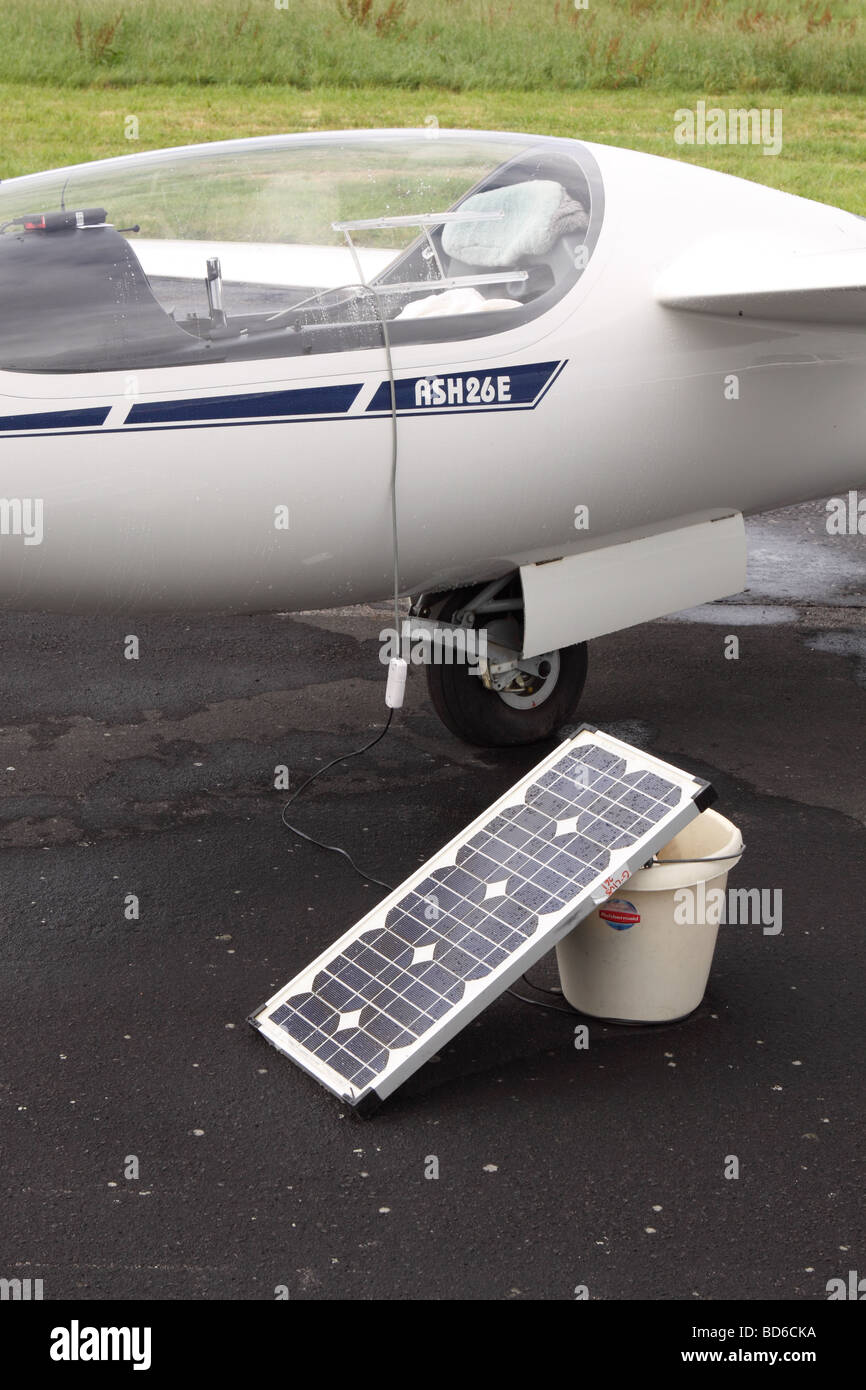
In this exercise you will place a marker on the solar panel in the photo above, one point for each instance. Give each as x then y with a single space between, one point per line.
393 989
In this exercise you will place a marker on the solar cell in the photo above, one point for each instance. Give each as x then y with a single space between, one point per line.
395 987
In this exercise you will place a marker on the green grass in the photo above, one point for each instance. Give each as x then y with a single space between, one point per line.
823 135
462 45
73 71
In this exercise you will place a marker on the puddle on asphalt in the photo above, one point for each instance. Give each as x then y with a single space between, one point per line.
843 644
635 731
738 614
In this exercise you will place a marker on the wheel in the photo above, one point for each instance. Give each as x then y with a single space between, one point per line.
529 709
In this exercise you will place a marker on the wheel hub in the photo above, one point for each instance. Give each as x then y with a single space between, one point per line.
534 679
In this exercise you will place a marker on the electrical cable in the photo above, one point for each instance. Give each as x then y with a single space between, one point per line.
544 989
386 338
392 385
344 757
540 1003
336 849
371 878
655 862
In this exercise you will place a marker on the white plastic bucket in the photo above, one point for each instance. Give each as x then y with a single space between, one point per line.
633 960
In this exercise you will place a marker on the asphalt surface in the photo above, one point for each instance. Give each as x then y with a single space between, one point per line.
557 1167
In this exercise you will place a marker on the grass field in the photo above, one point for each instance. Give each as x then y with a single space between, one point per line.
73 71
824 136
461 45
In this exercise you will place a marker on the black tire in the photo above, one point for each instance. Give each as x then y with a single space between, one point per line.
480 716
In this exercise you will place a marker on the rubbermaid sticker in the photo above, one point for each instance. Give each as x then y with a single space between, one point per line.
620 914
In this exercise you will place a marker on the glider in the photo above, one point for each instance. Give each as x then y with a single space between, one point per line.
532 383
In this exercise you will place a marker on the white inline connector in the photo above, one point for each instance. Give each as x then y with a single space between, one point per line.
396 687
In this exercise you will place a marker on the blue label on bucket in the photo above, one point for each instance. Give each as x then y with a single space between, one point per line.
619 914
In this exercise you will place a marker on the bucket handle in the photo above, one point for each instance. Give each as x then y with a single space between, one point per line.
707 859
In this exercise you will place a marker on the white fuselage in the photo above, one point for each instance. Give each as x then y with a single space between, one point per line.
644 415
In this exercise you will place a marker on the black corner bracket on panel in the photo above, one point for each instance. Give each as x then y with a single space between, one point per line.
367 1105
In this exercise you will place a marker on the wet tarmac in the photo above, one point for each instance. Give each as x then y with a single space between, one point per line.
154 1146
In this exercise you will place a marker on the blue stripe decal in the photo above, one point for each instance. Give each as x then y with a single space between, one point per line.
56 419
507 388
497 388
312 400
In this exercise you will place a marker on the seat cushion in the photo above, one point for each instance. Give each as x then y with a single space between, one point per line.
535 214
460 301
